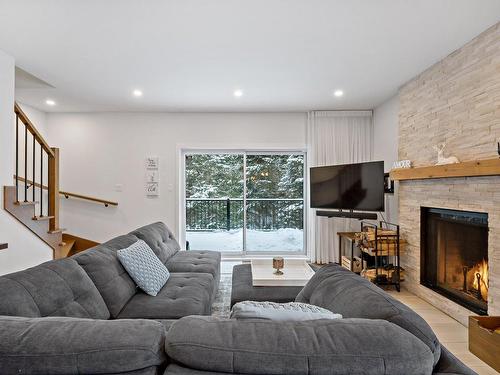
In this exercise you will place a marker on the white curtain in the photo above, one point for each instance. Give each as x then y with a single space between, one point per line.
335 137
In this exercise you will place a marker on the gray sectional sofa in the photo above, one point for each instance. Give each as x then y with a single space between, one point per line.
84 315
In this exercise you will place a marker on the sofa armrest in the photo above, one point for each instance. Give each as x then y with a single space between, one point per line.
340 346
60 345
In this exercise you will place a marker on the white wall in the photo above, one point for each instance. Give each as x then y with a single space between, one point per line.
25 249
100 150
37 117
385 142
6 118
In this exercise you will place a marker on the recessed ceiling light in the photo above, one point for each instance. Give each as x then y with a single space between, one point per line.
338 93
50 102
137 93
238 93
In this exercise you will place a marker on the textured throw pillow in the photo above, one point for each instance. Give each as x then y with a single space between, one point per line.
292 311
144 267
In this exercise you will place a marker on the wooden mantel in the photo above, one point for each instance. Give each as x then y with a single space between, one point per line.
488 167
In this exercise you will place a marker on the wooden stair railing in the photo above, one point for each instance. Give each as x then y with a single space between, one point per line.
52 163
40 216
33 152
105 202
67 194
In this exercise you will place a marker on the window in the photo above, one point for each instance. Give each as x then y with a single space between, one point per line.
244 201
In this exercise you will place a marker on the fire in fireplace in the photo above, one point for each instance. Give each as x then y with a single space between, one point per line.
454 255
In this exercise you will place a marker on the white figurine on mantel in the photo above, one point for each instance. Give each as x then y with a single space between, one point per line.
441 159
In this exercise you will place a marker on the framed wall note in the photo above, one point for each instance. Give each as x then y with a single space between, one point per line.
152 162
152 176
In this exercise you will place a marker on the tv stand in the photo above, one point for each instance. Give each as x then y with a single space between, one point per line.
349 214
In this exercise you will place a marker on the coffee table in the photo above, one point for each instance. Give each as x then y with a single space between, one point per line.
243 289
295 273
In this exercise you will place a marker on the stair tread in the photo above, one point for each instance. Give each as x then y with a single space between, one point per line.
65 248
39 218
58 230
69 243
25 213
23 203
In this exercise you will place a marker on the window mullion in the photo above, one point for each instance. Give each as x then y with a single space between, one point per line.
244 203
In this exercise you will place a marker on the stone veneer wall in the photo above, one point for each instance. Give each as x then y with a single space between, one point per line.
456 101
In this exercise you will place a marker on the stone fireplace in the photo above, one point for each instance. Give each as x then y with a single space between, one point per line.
454 256
456 101
480 195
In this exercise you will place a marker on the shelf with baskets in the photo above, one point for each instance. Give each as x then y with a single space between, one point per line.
382 242
379 247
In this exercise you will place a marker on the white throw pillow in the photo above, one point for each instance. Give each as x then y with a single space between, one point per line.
144 267
292 311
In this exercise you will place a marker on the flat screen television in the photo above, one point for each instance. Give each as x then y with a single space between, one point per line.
357 186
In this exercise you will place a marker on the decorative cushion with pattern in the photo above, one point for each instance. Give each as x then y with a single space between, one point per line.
144 267
292 311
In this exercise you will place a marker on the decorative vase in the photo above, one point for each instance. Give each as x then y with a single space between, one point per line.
278 264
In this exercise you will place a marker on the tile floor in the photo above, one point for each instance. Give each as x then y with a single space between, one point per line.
450 333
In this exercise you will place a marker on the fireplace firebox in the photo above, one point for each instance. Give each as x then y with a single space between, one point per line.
454 256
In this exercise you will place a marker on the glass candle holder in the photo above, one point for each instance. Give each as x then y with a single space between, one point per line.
278 264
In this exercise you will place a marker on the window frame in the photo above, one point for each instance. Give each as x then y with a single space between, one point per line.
244 253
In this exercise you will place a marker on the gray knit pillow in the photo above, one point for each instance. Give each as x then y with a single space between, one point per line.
292 311
144 267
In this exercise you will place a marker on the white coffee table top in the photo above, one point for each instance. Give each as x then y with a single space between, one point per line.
295 273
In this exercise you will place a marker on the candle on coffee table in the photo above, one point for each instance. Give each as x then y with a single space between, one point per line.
278 264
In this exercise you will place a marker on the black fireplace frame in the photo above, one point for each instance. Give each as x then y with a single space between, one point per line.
423 250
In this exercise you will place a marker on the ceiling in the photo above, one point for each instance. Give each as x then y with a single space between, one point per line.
191 55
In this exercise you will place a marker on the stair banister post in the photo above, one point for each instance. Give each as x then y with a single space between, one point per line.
53 185
17 157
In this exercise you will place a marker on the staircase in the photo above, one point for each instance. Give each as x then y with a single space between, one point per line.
35 204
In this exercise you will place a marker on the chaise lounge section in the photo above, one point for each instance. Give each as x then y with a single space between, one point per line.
377 335
190 289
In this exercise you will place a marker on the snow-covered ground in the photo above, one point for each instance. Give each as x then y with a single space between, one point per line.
287 239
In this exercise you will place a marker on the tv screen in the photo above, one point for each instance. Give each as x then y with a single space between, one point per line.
348 186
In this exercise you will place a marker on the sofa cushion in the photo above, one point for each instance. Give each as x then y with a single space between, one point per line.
183 294
79 346
55 288
346 293
196 261
148 272
339 346
111 279
160 239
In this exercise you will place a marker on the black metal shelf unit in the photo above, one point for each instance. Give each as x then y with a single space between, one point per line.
382 242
